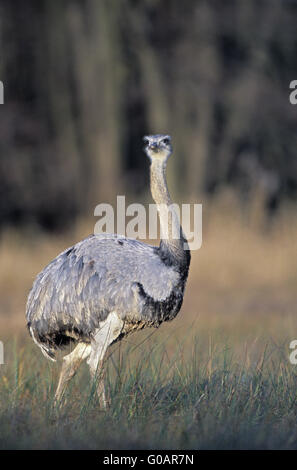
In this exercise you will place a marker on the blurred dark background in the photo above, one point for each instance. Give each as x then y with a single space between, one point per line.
85 80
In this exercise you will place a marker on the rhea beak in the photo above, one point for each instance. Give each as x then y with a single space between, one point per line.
154 147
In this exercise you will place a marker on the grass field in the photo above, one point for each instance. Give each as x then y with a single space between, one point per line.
218 376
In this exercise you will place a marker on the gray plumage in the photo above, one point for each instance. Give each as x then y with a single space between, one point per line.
96 276
144 285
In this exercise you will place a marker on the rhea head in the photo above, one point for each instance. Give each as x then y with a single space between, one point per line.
157 147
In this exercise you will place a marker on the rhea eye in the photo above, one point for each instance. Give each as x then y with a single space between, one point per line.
166 141
145 141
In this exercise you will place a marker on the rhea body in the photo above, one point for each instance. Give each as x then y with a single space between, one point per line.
104 287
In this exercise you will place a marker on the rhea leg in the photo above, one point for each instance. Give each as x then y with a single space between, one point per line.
108 332
71 362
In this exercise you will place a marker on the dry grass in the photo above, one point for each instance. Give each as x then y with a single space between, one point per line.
216 377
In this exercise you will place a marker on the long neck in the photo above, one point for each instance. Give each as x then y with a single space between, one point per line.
173 241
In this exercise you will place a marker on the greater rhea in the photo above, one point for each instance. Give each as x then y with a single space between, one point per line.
105 287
